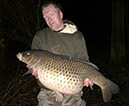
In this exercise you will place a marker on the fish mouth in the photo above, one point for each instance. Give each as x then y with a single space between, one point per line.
19 56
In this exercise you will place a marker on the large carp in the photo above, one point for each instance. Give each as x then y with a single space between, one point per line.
66 75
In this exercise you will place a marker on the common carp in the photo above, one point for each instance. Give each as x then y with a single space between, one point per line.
66 75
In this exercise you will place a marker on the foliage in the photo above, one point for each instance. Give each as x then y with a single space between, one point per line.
2 45
21 19
15 88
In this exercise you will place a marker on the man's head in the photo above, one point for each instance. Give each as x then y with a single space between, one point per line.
53 15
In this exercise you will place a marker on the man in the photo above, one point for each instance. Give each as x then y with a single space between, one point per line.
61 37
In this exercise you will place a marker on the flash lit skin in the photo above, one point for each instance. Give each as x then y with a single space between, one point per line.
87 82
34 73
53 17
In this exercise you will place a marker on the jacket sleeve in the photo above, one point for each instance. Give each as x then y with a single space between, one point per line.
37 42
80 48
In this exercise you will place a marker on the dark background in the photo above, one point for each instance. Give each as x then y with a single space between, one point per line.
21 19
93 19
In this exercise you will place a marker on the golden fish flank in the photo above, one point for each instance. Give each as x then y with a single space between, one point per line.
66 75
60 74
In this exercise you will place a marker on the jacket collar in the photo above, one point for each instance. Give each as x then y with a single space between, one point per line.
69 28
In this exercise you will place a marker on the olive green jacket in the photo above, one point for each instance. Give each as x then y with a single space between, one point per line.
68 41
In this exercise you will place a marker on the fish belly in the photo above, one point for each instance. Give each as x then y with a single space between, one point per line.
59 82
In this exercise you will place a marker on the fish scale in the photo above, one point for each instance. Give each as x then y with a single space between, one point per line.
63 76
66 75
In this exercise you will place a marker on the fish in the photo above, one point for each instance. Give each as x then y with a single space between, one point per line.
65 75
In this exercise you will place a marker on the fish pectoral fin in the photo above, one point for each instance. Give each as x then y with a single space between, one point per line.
28 72
59 96
91 87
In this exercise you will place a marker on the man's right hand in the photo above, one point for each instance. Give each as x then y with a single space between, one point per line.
34 72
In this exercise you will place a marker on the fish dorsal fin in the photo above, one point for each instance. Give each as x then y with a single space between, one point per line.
91 64
85 62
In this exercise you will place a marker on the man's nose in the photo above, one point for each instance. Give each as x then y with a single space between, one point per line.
49 19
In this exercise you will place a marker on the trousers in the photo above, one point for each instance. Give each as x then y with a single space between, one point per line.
46 98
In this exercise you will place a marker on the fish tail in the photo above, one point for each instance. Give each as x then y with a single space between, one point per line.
108 89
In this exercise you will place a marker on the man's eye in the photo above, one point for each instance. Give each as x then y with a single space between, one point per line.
52 14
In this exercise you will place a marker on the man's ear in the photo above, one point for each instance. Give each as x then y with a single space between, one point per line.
61 15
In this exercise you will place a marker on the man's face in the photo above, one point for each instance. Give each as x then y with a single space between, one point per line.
53 17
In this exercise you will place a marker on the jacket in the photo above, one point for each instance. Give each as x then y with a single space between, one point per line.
68 41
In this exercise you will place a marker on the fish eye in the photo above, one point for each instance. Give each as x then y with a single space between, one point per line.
28 53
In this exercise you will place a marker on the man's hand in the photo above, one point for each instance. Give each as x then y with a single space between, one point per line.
29 67
34 72
87 83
